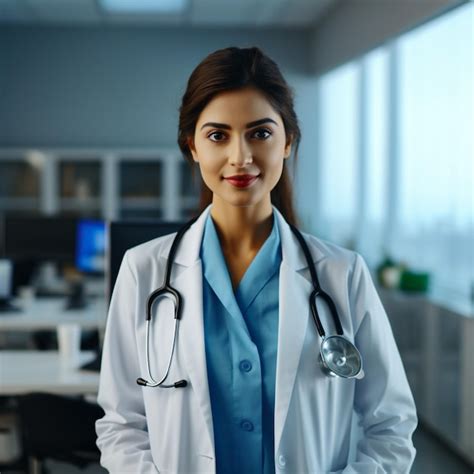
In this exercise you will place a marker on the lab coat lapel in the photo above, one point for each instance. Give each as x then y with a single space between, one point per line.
294 317
190 339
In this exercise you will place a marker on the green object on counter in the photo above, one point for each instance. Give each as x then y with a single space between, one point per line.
414 281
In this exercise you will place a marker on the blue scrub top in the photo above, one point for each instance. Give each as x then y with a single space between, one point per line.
241 336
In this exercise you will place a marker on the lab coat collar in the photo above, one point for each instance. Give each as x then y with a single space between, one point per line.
292 254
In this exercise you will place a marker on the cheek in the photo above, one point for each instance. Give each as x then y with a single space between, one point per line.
273 173
210 168
210 173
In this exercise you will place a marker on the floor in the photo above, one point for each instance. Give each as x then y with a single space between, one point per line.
432 458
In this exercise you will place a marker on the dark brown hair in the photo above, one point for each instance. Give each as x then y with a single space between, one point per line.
232 69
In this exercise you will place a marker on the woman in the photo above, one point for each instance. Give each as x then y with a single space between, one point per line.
251 396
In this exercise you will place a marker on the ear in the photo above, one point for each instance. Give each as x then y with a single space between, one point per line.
192 148
289 142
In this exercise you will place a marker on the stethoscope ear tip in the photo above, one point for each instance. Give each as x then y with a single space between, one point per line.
142 382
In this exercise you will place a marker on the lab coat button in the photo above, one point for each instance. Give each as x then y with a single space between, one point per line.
247 425
245 365
282 461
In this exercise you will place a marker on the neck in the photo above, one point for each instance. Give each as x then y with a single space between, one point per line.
242 230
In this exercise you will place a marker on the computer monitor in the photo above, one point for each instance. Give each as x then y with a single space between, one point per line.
90 246
6 278
6 274
123 235
126 234
40 238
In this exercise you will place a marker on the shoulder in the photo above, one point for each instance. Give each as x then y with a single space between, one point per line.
340 264
142 255
331 252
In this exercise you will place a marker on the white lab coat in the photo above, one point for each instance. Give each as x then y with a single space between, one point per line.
170 430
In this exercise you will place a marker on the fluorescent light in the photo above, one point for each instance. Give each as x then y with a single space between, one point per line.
144 6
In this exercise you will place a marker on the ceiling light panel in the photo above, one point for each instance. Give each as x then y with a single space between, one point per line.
143 6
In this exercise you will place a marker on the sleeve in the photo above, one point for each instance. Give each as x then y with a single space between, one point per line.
383 399
122 434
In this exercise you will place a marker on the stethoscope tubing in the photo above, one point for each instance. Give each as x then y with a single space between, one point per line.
317 291
166 290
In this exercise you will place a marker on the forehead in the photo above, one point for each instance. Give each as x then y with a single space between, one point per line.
238 107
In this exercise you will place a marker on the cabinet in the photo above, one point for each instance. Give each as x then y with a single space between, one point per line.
141 188
19 183
99 183
80 189
436 346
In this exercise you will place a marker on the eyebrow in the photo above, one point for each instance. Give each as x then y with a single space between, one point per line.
248 125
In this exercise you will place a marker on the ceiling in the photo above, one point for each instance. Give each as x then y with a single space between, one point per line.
208 13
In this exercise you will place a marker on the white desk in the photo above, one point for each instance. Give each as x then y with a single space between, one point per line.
23 372
48 313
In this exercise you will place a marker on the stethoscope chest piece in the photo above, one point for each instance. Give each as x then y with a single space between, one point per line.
338 357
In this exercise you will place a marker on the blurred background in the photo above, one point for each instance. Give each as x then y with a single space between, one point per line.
89 165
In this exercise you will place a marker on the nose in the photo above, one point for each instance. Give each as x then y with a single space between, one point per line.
241 154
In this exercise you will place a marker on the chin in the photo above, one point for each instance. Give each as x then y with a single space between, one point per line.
242 201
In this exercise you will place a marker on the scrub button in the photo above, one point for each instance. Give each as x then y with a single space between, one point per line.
245 365
246 425
282 461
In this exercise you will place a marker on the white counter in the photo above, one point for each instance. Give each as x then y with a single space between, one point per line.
437 348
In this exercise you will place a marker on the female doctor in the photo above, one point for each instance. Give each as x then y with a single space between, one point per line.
237 383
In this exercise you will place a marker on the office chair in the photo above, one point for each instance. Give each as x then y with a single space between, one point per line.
58 427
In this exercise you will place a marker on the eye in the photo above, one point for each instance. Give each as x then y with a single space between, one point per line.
263 130
215 133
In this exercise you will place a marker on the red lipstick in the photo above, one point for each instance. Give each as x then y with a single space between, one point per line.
241 180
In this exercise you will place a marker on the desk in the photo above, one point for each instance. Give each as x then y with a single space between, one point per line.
41 371
48 313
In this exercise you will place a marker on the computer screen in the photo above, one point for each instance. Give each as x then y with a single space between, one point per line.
6 273
126 234
40 238
90 246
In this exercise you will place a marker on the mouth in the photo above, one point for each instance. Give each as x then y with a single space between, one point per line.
242 180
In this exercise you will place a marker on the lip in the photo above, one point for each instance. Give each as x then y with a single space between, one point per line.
242 180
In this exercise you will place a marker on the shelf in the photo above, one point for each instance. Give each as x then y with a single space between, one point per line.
20 204
103 183
140 203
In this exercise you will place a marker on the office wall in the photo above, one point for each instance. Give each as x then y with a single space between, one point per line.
116 86
353 27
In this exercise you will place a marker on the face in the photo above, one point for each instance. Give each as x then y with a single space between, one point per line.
240 135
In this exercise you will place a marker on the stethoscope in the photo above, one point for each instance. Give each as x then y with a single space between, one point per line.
338 357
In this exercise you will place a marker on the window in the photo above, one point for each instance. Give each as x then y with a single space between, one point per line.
374 169
338 152
406 174
435 231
